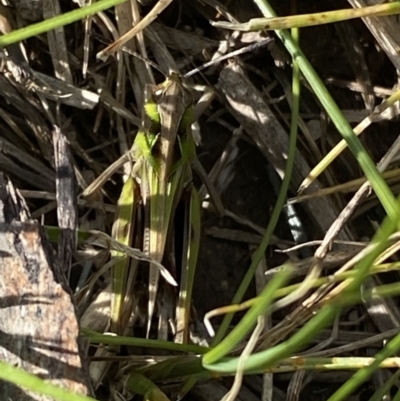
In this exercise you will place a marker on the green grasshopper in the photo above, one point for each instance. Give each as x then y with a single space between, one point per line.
163 151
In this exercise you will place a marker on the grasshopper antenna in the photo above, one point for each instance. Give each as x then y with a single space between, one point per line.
237 52
144 59
140 57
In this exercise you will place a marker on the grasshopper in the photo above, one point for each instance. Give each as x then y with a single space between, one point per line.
163 151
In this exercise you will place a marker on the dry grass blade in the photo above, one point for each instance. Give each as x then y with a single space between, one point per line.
295 385
150 17
258 24
248 349
356 58
103 240
354 345
106 174
391 176
57 43
384 30
66 200
64 92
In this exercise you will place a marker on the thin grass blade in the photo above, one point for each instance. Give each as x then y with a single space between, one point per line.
188 270
122 231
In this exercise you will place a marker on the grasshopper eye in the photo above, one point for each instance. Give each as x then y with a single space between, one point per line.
158 95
